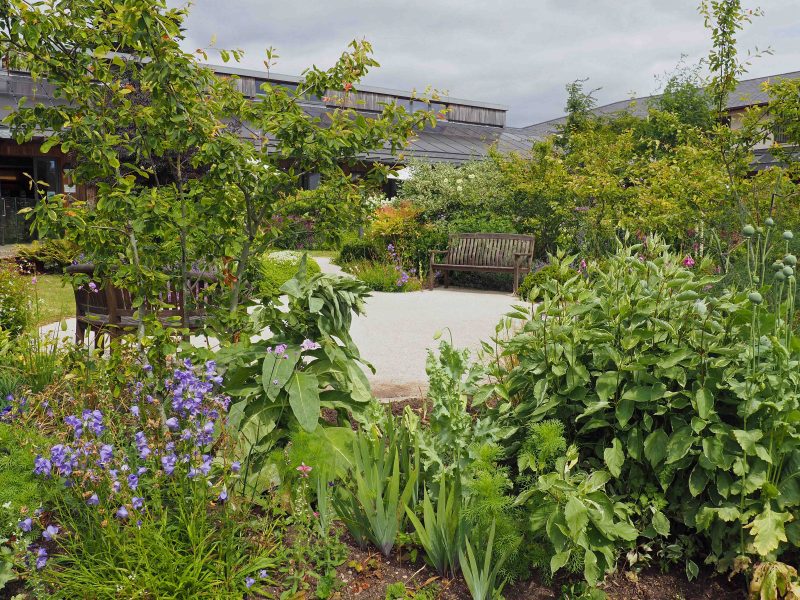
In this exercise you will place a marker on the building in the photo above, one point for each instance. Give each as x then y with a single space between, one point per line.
467 132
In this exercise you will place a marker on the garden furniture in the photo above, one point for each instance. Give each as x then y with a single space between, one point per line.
484 252
104 308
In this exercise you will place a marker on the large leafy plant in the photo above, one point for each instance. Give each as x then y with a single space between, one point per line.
671 388
308 362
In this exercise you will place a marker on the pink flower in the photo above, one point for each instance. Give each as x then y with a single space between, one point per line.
688 262
582 266
34 280
304 470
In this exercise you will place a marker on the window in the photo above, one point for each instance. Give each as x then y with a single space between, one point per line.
780 135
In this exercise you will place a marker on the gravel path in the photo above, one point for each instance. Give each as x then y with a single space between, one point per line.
397 329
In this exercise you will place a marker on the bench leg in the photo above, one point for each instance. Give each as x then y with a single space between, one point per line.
447 278
516 279
431 278
80 332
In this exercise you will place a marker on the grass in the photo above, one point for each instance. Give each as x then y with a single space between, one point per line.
322 253
56 300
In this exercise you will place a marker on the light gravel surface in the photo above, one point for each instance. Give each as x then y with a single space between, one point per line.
396 330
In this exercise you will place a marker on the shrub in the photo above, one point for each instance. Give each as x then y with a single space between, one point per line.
49 255
276 268
16 307
382 277
685 398
357 249
548 273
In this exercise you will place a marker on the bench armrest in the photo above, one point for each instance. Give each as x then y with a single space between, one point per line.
519 256
435 252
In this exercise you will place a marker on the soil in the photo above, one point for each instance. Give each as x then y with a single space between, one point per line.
654 585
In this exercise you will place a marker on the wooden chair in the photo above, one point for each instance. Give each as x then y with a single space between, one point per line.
484 252
104 309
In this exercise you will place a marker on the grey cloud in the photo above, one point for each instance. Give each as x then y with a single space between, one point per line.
515 52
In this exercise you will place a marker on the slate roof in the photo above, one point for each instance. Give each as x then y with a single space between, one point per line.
747 93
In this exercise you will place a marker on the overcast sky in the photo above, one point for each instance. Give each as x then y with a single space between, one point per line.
519 53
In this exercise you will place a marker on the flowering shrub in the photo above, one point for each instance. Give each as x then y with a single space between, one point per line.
155 474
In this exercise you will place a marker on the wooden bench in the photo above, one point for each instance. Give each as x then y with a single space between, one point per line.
485 252
104 309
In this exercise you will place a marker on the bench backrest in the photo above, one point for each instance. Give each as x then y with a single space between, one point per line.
488 249
104 298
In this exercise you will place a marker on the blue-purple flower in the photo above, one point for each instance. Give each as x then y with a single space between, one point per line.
137 502
50 532
41 558
93 500
26 524
122 513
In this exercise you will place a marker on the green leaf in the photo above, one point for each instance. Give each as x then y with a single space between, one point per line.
558 560
276 371
304 399
614 458
704 402
606 385
624 411
747 439
679 444
655 447
768 530
660 523
698 480
576 515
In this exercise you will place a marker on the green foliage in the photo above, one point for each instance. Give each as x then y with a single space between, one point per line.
571 511
276 268
532 287
49 255
481 579
359 249
372 505
16 309
18 486
176 186
666 387
309 363
441 531
381 277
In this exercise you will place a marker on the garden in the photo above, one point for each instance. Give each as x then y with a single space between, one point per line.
632 429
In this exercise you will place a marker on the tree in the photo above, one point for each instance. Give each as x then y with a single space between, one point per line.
578 109
186 167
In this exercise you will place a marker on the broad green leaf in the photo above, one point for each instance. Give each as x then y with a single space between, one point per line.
303 391
614 458
747 439
704 402
655 447
276 371
646 393
679 444
558 560
698 479
660 523
606 385
624 411
768 530
576 515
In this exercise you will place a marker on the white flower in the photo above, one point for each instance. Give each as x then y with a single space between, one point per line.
459 181
459 189
471 176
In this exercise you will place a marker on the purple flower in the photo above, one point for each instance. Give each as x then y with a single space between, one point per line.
249 582
262 574
223 495
280 349
42 466
41 558
688 262
50 532
133 481
122 513
309 345
141 445
135 410
76 424
172 423
137 502
26 524
168 463
93 500
106 453
148 368
92 286
236 467
116 486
